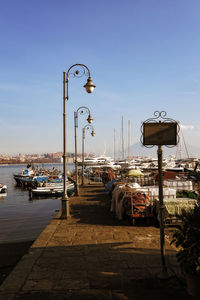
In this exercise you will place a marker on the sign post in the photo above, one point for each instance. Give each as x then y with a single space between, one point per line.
161 132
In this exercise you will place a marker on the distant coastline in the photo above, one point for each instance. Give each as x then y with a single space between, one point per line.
25 163
50 161
44 158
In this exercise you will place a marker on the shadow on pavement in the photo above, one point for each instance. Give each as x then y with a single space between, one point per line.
103 271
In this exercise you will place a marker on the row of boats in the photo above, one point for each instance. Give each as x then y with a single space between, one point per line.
33 177
42 182
145 163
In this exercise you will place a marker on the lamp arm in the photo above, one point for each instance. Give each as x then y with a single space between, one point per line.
82 65
88 126
83 111
75 74
83 107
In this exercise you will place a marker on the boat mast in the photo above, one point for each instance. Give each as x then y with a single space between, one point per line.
185 144
122 139
128 139
179 153
114 146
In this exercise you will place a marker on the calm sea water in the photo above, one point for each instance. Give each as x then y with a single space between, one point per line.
22 219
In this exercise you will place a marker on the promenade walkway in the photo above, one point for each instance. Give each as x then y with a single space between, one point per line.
93 256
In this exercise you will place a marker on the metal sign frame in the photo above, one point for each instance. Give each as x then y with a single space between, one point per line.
160 131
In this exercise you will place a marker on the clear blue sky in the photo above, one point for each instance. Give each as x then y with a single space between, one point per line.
144 55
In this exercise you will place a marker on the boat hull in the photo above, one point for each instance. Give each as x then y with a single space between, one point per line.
30 182
3 189
52 191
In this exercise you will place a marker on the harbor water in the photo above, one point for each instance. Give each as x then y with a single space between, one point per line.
22 219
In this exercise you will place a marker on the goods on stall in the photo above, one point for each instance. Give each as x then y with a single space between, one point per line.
153 192
179 185
136 204
187 194
116 202
174 208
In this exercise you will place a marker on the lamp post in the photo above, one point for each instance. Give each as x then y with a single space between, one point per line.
81 110
83 138
89 86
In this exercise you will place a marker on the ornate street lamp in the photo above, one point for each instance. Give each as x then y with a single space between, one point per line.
87 127
81 110
89 86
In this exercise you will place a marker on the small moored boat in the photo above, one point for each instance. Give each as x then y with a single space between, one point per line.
52 190
3 189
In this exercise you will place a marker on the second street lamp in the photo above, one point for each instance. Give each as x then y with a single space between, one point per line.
89 86
87 127
81 110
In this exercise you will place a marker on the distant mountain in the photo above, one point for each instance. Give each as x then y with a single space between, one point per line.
139 149
193 151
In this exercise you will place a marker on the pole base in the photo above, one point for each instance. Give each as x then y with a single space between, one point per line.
65 209
76 193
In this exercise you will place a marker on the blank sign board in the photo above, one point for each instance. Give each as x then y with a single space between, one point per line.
160 133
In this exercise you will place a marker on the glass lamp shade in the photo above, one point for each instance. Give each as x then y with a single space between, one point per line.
89 86
89 119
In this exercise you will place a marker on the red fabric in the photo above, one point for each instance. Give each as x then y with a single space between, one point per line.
166 175
139 202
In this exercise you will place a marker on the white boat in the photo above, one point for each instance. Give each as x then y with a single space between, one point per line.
99 161
3 189
52 190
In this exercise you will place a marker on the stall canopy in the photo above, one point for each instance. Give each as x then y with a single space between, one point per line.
135 173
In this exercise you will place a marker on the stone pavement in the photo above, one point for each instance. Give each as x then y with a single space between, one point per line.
93 256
